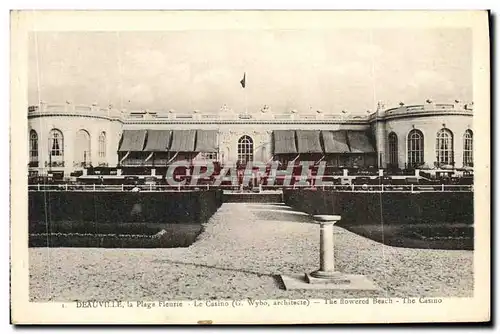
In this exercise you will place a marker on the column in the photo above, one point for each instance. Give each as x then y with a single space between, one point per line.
326 255
381 143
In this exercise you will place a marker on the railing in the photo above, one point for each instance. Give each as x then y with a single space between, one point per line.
412 188
70 108
459 107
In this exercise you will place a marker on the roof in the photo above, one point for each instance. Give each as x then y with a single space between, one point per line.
284 142
335 141
206 141
132 140
183 141
158 140
308 141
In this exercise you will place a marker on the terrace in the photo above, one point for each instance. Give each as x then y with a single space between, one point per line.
152 187
246 265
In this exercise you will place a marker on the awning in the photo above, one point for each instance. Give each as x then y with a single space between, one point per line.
335 141
308 141
158 140
206 141
183 141
284 142
359 142
132 140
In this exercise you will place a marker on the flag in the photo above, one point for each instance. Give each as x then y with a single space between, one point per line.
243 81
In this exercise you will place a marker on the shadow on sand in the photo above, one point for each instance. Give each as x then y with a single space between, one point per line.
276 278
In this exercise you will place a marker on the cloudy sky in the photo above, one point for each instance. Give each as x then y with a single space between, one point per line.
329 70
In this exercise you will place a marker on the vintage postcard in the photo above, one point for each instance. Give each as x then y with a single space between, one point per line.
250 167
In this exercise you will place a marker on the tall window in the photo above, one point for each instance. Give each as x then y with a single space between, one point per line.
393 149
245 149
415 148
468 156
102 146
82 148
56 143
33 146
444 147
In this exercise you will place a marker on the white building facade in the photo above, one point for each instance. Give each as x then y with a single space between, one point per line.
67 138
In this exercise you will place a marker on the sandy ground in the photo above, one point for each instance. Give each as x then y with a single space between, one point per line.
243 248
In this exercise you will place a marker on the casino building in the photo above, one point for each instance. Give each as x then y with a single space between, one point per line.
67 139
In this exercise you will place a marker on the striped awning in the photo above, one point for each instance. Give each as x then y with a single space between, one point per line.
335 141
206 141
284 142
359 142
183 141
132 141
158 140
308 141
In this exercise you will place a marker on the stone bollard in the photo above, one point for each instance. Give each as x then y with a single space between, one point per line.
326 277
326 247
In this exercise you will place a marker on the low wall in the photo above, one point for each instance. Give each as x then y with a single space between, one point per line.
358 208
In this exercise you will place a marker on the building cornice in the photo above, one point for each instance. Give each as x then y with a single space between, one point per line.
421 114
430 114
56 114
150 117
424 110
244 122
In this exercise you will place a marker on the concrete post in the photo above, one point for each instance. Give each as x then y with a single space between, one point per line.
326 277
327 261
380 134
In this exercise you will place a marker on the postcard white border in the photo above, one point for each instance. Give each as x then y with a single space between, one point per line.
452 309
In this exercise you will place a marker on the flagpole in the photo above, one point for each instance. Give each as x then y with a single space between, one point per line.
243 85
246 94
246 100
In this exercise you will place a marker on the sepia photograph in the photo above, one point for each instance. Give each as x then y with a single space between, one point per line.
250 167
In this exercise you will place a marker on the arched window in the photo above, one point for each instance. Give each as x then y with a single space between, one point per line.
393 149
468 155
444 147
33 146
82 148
415 148
56 143
245 149
102 146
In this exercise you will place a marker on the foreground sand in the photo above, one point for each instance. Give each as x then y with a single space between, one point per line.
238 255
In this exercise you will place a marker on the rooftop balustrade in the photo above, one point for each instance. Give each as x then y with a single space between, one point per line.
229 115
